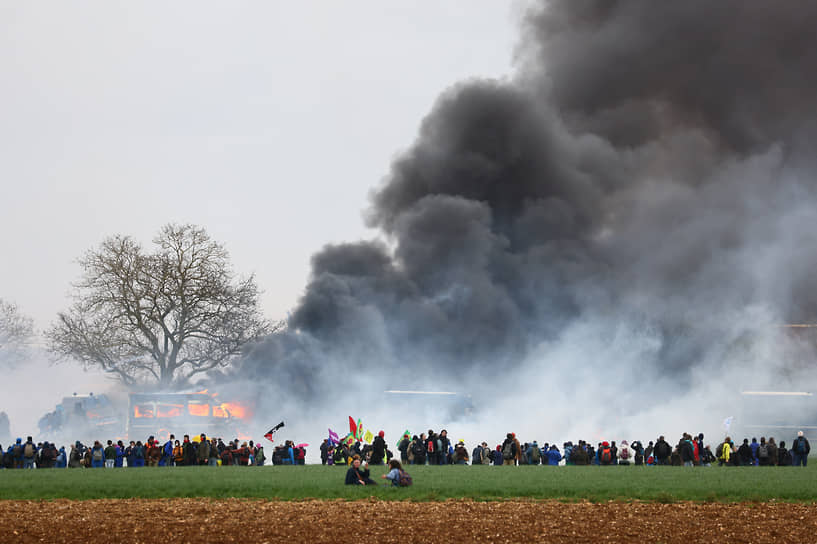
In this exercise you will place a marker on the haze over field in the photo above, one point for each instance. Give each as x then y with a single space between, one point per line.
605 242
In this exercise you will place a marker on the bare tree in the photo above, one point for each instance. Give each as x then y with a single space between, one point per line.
163 317
16 332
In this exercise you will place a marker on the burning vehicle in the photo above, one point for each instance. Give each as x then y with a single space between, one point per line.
102 416
200 412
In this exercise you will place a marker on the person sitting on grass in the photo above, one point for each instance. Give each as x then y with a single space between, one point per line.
394 472
357 475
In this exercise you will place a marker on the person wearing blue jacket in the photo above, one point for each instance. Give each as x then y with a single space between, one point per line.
62 458
97 455
120 454
754 445
554 456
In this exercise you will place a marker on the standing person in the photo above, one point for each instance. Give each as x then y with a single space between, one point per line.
509 450
110 454
443 444
130 454
97 455
478 455
357 474
203 451
745 453
533 453
553 455
431 447
29 453
460 454
167 453
378 448
662 451
624 454
783 455
138 454
324 451
178 454
800 449
418 448
189 452
773 456
119 454
403 448
214 454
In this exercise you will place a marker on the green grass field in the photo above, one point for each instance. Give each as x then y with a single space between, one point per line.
660 484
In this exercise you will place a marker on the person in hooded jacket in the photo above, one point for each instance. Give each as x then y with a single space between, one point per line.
783 455
554 456
745 453
662 451
378 448
97 455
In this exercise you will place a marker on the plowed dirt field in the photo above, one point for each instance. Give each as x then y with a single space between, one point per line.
203 520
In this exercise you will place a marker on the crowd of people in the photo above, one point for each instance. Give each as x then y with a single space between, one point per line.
437 449
428 448
115 454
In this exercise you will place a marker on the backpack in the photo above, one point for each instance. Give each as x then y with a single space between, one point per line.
16 451
417 449
762 452
430 446
625 453
507 451
97 454
140 452
404 480
606 455
535 455
28 451
719 450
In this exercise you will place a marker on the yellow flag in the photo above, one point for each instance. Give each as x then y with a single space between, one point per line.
368 437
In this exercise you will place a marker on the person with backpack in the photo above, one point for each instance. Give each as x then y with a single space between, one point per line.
624 453
605 454
763 453
167 453
800 449
396 474
662 451
533 454
770 443
29 453
418 450
553 456
139 454
509 451
97 455
783 455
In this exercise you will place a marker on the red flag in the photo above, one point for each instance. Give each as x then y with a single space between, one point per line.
352 426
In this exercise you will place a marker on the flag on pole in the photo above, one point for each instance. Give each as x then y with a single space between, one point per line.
359 429
269 434
333 438
352 426
368 437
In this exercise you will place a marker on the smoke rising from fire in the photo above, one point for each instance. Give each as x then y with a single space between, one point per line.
629 219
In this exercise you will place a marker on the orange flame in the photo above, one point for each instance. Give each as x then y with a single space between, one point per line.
142 411
234 409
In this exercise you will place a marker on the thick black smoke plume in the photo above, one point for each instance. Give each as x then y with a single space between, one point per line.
650 166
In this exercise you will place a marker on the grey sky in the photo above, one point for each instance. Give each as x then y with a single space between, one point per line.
265 122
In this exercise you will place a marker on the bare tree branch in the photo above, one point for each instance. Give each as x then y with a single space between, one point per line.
160 317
